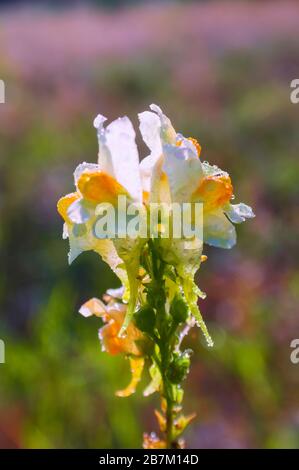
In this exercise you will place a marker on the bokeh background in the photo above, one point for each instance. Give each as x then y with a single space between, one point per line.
222 71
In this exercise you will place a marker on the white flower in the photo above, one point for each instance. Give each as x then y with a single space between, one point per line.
115 174
171 173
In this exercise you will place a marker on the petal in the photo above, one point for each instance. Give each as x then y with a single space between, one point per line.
156 382
107 251
193 146
99 121
146 169
118 155
76 248
218 230
90 167
238 213
214 191
64 203
79 230
93 306
79 242
129 250
160 190
196 144
167 133
213 170
192 292
183 171
152 441
115 293
79 212
131 343
81 238
65 232
109 339
100 187
104 247
150 127
136 365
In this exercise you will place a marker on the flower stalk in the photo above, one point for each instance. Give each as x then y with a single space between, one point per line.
160 319
150 315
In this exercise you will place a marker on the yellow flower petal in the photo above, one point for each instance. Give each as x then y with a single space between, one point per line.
64 203
93 306
145 197
194 142
99 187
114 315
136 365
214 192
196 145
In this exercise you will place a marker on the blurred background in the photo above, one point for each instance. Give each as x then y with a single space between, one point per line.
222 71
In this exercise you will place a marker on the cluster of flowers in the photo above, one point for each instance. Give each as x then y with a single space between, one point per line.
157 305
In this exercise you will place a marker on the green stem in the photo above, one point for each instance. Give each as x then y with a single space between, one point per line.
166 330
169 425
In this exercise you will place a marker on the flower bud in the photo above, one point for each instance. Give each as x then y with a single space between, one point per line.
179 368
179 309
145 319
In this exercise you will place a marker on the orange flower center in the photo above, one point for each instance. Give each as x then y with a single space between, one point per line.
100 187
214 191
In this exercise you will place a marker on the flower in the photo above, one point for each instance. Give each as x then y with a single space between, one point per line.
173 172
115 174
131 344
113 315
152 441
148 317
